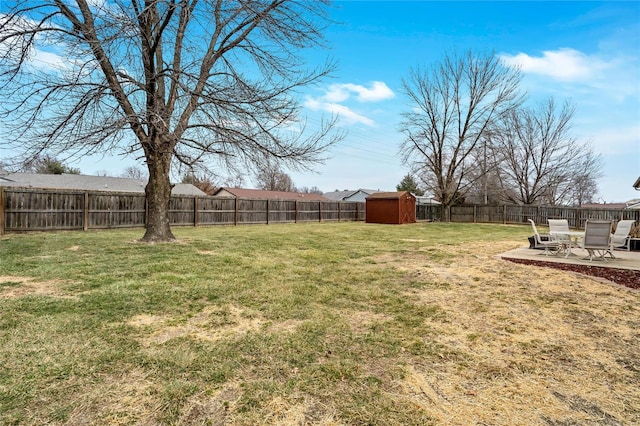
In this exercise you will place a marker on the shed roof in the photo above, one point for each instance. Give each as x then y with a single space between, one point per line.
270 195
389 195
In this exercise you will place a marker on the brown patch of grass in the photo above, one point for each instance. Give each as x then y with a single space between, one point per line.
216 408
208 252
361 321
288 326
527 335
121 399
13 287
211 324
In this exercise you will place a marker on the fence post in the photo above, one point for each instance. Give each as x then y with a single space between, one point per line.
268 202
235 211
295 220
504 214
339 210
195 211
2 201
357 212
319 211
85 213
475 213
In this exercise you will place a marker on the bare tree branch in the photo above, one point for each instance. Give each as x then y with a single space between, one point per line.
452 107
542 162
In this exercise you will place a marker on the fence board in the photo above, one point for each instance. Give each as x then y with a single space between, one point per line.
216 211
42 210
116 210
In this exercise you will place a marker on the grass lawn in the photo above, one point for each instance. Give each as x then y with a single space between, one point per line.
328 324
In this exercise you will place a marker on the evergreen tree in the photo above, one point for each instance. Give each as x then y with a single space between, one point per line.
408 183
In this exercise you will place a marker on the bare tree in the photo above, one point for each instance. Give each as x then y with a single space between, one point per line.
452 106
234 181
584 185
182 81
542 163
134 172
312 190
202 181
271 178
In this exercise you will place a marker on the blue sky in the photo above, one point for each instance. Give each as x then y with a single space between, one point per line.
584 52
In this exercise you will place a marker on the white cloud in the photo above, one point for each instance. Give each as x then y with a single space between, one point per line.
344 112
562 64
48 61
378 91
336 94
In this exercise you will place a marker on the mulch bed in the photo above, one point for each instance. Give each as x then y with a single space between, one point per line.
626 277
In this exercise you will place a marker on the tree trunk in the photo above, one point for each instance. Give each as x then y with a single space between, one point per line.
158 191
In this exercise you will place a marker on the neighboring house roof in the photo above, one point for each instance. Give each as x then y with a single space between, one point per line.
611 206
187 189
349 195
339 195
636 185
270 195
631 204
87 183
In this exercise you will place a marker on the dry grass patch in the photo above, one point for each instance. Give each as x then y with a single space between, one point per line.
361 321
14 287
530 337
122 399
211 324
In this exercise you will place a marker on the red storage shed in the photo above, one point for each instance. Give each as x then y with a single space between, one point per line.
391 207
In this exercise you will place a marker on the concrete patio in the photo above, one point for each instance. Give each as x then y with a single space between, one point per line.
624 259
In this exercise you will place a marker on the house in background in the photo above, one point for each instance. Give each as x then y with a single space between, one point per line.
350 195
629 205
636 185
267 195
87 183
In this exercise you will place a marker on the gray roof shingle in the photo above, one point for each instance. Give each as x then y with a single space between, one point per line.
87 183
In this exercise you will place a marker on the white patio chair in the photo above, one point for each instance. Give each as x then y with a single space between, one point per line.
550 247
597 239
619 237
559 230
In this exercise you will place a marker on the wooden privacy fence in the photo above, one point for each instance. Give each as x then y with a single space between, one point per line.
517 214
27 209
